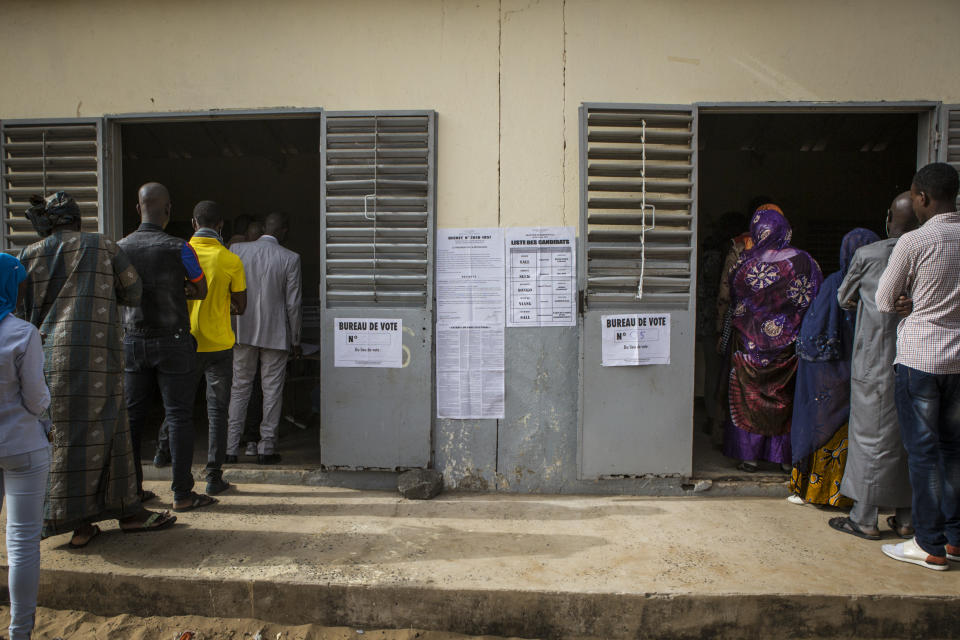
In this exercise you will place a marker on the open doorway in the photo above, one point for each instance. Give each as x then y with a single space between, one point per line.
250 167
829 171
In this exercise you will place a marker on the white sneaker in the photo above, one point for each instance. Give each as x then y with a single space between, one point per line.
795 499
251 449
911 552
953 553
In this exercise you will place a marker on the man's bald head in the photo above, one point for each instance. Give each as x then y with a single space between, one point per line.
900 216
153 203
275 224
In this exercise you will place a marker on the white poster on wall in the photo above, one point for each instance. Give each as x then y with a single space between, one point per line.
541 277
470 373
470 317
635 338
368 342
470 276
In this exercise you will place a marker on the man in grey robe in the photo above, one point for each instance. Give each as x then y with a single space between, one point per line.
876 472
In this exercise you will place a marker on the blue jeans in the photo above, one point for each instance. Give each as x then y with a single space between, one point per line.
217 368
23 485
929 409
167 362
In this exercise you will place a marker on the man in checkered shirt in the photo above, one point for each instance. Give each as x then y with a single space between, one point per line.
922 284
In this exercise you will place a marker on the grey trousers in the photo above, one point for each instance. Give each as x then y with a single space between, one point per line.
867 515
273 372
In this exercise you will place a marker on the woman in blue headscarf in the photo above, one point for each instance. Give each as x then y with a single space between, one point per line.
24 448
821 404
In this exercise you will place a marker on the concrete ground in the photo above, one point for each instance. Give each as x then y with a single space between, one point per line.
511 565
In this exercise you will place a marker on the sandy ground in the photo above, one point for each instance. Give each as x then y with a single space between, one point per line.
614 544
79 625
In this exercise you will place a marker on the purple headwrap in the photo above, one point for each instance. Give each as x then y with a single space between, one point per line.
769 230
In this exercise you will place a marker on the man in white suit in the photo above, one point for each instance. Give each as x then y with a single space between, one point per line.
267 331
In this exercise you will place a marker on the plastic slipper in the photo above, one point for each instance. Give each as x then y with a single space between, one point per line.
197 501
846 525
96 532
747 467
157 521
147 496
897 529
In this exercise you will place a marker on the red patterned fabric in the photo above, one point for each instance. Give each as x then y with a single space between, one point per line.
761 398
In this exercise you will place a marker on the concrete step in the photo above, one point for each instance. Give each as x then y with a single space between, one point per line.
522 614
514 565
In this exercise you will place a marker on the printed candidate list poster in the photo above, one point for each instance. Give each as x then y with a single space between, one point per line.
636 338
541 277
368 342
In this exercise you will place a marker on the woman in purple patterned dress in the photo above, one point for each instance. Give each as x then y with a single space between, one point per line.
772 288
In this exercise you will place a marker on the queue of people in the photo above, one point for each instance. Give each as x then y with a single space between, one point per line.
862 408
103 327
852 382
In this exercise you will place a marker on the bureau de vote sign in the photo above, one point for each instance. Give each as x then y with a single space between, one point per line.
368 342
631 339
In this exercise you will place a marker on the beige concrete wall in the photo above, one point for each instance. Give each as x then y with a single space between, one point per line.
505 76
99 57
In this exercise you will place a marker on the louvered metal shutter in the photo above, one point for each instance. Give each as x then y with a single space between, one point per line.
378 210
612 157
43 159
378 206
950 147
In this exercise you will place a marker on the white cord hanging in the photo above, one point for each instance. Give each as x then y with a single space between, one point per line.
643 207
43 160
366 214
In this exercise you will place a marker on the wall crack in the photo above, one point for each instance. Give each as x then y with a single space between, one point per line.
563 165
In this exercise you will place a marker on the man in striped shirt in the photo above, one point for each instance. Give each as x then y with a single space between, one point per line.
922 284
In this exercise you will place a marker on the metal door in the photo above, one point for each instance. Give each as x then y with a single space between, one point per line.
637 420
949 149
43 157
377 241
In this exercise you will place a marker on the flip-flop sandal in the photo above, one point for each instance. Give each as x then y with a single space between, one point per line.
846 525
197 501
746 467
156 522
147 496
897 528
96 532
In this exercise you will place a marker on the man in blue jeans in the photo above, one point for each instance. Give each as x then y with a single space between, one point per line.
921 284
157 346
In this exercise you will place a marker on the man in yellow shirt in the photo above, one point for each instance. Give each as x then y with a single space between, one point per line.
211 327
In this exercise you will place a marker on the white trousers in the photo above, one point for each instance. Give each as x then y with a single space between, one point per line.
273 372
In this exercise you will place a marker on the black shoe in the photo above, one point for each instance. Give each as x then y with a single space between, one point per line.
268 458
217 485
228 459
161 459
